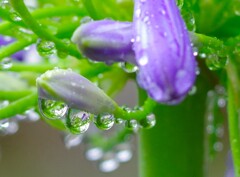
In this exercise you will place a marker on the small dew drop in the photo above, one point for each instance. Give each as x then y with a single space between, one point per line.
221 102
78 121
51 109
131 124
45 48
148 122
104 121
218 146
123 153
86 19
8 127
71 141
138 13
128 67
193 90
108 164
6 63
94 154
143 60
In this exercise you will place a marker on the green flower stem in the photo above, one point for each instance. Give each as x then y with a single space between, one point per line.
14 47
42 13
91 9
20 7
175 146
233 115
13 95
39 67
19 106
145 110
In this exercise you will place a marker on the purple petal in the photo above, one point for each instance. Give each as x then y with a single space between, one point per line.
163 51
105 40
76 91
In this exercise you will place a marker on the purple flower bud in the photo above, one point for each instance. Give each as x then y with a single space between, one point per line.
74 90
163 50
105 40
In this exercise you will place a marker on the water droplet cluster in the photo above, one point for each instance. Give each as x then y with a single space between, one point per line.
216 103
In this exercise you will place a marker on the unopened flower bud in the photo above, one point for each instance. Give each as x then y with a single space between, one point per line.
105 40
75 91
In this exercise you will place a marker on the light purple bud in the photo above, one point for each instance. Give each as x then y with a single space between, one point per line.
163 50
74 90
105 40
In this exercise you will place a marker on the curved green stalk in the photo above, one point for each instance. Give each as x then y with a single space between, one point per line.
13 95
19 106
20 7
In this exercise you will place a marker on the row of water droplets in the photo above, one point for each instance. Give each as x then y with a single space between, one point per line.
216 104
11 125
77 121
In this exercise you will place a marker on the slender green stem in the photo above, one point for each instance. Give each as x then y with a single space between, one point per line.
13 95
20 7
91 9
145 110
233 116
19 106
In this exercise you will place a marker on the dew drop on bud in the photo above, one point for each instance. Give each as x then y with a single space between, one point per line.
78 121
104 121
94 154
118 121
51 109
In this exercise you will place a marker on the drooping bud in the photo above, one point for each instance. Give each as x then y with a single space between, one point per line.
105 40
163 51
75 91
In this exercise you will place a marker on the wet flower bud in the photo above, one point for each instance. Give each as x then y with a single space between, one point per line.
163 51
74 90
105 40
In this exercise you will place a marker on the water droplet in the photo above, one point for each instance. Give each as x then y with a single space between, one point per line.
128 67
218 146
8 127
104 121
123 153
143 60
108 164
51 109
32 116
221 102
85 20
193 90
118 121
4 103
215 62
210 129
15 16
131 124
64 53
138 13
202 55
148 122
45 48
71 141
163 12
6 63
94 154
78 121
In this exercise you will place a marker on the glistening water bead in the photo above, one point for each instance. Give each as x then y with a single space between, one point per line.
78 121
51 109
104 121
148 122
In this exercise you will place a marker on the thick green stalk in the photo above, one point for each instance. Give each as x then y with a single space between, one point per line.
233 115
175 147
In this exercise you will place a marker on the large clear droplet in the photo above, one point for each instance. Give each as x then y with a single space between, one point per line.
45 48
148 122
108 163
71 141
78 121
94 154
51 109
104 121
128 67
